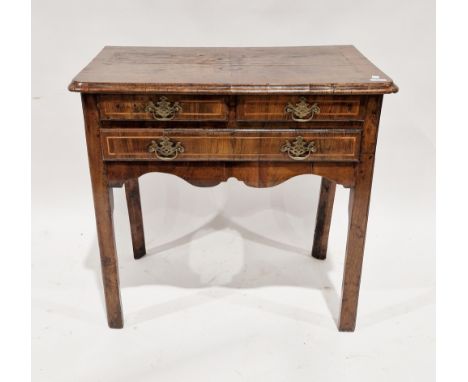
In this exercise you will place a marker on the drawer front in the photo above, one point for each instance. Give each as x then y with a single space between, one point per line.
237 145
299 108
162 108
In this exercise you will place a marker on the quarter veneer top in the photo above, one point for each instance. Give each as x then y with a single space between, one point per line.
307 69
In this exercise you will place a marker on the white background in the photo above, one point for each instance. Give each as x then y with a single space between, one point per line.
228 291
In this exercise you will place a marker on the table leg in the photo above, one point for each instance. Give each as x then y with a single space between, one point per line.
358 212
323 220
103 205
132 192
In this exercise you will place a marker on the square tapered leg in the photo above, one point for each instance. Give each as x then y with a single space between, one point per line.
103 208
132 192
323 220
109 265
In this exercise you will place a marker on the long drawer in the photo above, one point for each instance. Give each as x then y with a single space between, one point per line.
238 145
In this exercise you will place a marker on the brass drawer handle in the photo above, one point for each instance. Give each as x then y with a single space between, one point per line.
165 149
302 111
299 149
163 110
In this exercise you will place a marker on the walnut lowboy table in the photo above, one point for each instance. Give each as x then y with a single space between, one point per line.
261 115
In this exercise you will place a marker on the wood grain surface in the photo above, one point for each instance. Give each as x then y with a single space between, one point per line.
305 69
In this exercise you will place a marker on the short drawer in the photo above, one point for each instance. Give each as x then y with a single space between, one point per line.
299 108
236 145
162 108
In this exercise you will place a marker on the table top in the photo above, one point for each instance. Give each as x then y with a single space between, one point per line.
306 69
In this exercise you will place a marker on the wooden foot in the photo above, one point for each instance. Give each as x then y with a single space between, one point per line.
132 192
323 220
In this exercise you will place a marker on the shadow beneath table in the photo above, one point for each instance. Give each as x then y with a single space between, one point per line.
219 258
252 261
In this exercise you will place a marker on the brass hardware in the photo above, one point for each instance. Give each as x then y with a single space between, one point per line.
165 149
299 149
163 110
302 111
